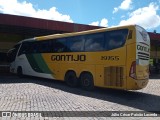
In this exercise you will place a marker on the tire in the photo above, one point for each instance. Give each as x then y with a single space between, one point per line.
20 72
71 79
86 80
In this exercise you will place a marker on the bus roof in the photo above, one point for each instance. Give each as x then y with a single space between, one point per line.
54 36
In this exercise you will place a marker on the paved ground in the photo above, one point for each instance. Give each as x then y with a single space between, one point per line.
35 94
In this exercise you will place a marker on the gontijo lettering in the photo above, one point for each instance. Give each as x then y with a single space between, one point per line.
142 48
68 57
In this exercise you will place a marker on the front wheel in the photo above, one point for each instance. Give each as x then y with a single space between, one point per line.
86 80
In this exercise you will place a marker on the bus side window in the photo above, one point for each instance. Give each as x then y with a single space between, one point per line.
33 47
12 54
44 46
76 44
59 45
130 34
94 42
116 38
115 42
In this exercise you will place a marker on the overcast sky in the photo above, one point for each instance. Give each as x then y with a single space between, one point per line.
107 13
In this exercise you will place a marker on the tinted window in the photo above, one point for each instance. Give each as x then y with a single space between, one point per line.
94 42
116 38
59 45
76 44
24 48
44 46
130 34
12 53
33 47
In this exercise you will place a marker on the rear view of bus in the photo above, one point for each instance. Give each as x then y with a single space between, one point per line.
139 69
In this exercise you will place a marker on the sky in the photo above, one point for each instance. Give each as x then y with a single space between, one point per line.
106 13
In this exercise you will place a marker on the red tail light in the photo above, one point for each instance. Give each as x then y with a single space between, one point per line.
132 72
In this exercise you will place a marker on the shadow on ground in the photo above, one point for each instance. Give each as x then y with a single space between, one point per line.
134 99
154 76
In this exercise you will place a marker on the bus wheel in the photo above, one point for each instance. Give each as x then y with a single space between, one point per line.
71 79
20 72
86 80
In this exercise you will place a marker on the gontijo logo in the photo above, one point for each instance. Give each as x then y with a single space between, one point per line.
143 48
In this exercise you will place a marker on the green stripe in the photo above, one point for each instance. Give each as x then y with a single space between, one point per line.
33 63
42 64
38 64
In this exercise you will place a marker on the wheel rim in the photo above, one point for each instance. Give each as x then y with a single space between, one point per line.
86 82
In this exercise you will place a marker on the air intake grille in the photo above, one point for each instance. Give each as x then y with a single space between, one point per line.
113 76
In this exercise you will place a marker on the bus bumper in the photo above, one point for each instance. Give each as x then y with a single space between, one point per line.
139 84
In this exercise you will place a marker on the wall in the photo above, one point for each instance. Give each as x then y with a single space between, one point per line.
8 40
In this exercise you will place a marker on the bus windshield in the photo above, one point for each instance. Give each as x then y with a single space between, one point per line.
12 53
